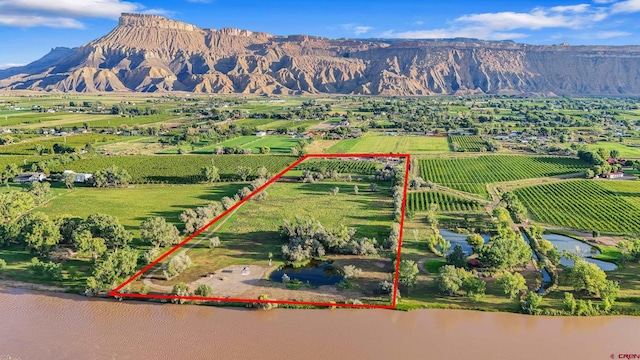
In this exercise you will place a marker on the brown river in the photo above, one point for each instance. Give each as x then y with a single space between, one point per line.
37 325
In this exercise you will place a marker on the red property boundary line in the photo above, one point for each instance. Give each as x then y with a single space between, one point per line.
407 158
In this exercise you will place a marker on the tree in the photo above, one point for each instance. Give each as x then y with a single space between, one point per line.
474 287
265 150
351 272
457 257
13 204
570 303
373 187
3 264
211 173
180 290
177 265
356 189
512 284
443 244
112 176
587 276
116 267
408 274
603 153
450 279
531 303
263 172
40 191
88 245
158 232
506 250
108 228
614 154
476 241
589 174
243 172
335 190
609 293
39 233
203 290
214 242
69 179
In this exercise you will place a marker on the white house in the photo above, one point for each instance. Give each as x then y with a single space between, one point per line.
80 178
29 178
261 134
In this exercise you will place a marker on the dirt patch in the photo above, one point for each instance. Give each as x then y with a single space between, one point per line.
31 286
233 280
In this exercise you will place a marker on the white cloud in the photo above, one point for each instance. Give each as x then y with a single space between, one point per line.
611 34
200 1
64 13
510 25
627 6
34 21
356 29
604 1
359 30
6 66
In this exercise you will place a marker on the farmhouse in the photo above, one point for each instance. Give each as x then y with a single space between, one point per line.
80 178
29 178
614 175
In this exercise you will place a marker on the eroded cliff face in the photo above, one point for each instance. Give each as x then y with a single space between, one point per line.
148 53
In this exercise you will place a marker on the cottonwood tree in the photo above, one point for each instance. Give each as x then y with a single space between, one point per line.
158 232
116 266
211 173
40 191
506 251
177 265
512 284
587 276
203 290
243 172
88 245
112 176
13 204
196 219
39 233
408 274
450 279
108 228
352 272
69 180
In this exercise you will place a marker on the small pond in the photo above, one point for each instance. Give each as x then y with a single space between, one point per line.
585 250
546 277
459 239
317 273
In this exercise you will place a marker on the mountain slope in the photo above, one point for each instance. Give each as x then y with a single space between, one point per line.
148 53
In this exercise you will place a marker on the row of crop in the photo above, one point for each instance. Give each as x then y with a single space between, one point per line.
421 201
179 169
472 174
467 142
581 204
341 166
30 147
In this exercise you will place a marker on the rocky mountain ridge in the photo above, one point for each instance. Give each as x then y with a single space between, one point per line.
148 53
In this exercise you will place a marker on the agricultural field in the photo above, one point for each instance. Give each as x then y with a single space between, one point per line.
626 152
276 144
135 204
250 234
471 143
582 205
341 166
421 201
28 147
384 144
180 169
24 162
474 173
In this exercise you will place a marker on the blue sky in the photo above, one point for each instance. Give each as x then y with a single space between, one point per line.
30 28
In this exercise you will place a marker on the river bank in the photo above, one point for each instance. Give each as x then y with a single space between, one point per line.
62 326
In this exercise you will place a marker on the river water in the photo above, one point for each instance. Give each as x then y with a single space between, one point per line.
37 325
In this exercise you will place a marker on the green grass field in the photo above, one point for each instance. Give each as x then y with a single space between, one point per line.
374 143
276 144
177 168
626 152
474 173
27 147
584 205
252 232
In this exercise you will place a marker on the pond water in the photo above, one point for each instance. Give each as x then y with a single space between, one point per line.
546 277
585 250
317 273
459 239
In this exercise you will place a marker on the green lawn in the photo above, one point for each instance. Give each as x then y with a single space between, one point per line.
376 143
626 152
134 205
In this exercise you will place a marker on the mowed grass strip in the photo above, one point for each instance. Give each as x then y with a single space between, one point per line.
582 205
473 174
377 143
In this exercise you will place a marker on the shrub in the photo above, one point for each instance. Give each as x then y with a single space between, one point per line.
204 290
214 242
352 272
3 264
